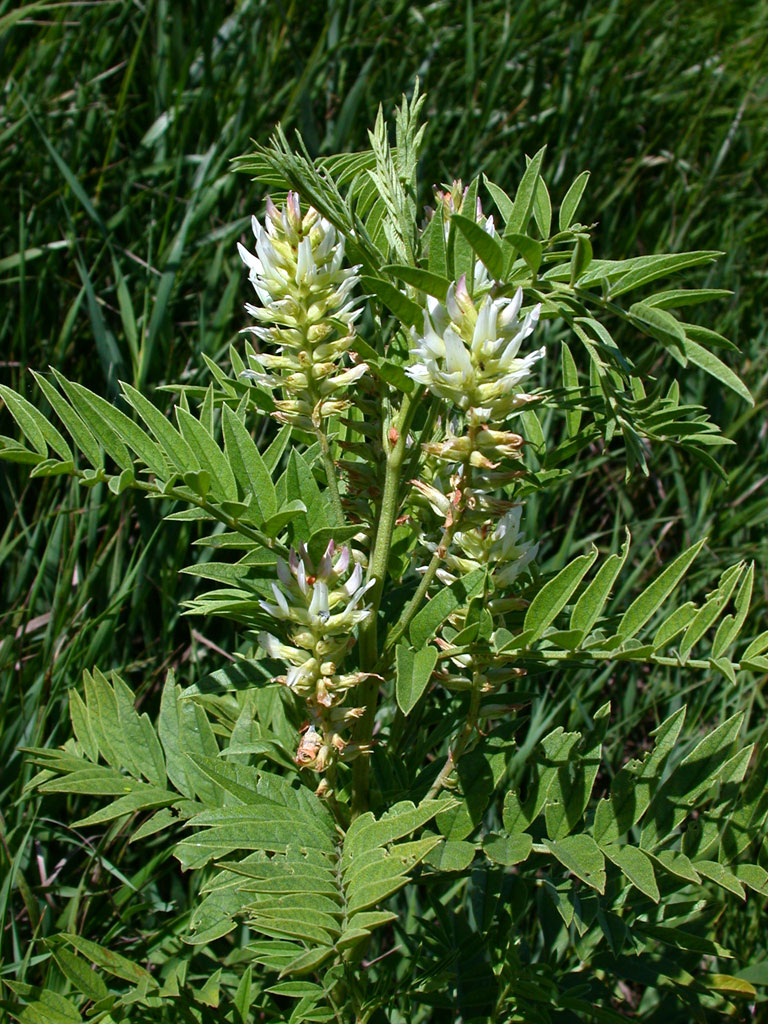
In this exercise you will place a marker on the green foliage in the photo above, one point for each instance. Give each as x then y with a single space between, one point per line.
592 870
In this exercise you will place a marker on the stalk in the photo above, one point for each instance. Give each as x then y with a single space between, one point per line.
368 638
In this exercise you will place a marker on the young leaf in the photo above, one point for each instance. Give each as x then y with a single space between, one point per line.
525 195
571 201
435 236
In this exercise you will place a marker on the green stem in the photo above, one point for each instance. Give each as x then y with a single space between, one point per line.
330 475
377 569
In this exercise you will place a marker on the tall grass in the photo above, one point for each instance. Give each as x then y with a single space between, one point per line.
117 234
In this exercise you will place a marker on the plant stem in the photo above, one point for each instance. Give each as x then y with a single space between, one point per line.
330 475
368 639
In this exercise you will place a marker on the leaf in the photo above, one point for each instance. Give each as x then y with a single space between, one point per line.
435 234
34 425
554 595
173 444
366 832
709 613
754 876
582 857
634 785
503 203
184 729
673 625
731 985
448 600
485 247
677 864
406 310
276 523
590 604
659 323
530 249
716 368
80 434
721 875
82 977
677 297
650 268
87 405
581 259
301 485
247 464
699 770
414 670
478 776
210 456
451 855
644 606
637 866
525 195
461 255
508 850
113 963
731 625
423 280
756 647
571 385
571 200
45 1007
308 961
542 209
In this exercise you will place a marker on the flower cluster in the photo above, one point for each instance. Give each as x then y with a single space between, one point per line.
318 607
306 312
503 549
469 355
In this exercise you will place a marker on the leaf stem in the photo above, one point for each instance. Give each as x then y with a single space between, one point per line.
460 744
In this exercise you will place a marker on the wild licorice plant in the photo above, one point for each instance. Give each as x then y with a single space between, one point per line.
372 788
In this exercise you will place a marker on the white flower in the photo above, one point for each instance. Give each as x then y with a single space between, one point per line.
305 312
297 270
469 356
504 550
317 598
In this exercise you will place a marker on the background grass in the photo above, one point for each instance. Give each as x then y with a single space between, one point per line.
117 261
